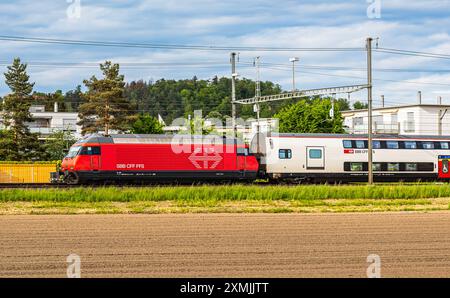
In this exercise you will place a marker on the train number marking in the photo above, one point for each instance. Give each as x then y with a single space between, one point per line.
130 166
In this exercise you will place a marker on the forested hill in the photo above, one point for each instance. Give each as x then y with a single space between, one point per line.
179 98
175 98
172 99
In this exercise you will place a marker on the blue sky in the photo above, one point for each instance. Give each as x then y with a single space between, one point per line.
412 25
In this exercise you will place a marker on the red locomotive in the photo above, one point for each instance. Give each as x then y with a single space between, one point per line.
140 158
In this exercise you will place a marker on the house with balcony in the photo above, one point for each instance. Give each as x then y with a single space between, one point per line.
413 119
46 123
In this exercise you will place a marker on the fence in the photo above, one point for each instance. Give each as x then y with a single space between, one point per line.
26 173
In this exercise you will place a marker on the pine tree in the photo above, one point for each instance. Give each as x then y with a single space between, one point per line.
23 145
105 106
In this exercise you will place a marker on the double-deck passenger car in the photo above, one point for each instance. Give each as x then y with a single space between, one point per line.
344 157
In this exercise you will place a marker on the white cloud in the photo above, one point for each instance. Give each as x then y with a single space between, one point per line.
236 23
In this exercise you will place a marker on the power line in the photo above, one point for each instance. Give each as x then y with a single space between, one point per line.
362 78
412 53
330 67
166 46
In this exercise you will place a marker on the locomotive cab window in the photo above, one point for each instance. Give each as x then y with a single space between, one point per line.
285 154
73 151
90 150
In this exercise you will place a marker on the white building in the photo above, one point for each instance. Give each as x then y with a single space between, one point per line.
46 123
414 119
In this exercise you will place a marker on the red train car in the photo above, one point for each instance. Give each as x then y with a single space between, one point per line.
140 158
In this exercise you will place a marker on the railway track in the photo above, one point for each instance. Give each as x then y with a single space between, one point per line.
93 185
34 185
52 185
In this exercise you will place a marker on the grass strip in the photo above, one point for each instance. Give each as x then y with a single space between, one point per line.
227 198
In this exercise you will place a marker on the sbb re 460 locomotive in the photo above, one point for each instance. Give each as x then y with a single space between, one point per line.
144 158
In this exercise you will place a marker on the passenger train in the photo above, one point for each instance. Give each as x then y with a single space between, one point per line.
290 157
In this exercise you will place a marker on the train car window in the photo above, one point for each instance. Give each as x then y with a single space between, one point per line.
411 167
444 145
347 144
356 167
377 167
425 167
285 154
392 144
427 145
410 145
390 167
360 145
376 144
393 167
315 153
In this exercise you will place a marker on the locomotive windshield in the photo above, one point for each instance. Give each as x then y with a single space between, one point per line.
73 151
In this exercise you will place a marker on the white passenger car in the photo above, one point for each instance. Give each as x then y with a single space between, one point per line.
336 157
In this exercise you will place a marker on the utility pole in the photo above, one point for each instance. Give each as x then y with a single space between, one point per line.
233 92
257 95
107 118
369 101
258 86
440 117
293 60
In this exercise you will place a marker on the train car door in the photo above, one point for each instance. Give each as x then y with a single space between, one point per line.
443 167
94 152
315 158
242 154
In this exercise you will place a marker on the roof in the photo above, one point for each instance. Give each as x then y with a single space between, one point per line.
150 139
357 136
400 107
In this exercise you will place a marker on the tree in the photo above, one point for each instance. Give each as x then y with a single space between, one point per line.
8 150
310 116
360 105
57 145
22 145
49 99
73 99
146 124
104 105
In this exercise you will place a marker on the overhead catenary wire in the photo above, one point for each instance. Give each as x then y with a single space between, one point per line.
170 46
412 53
